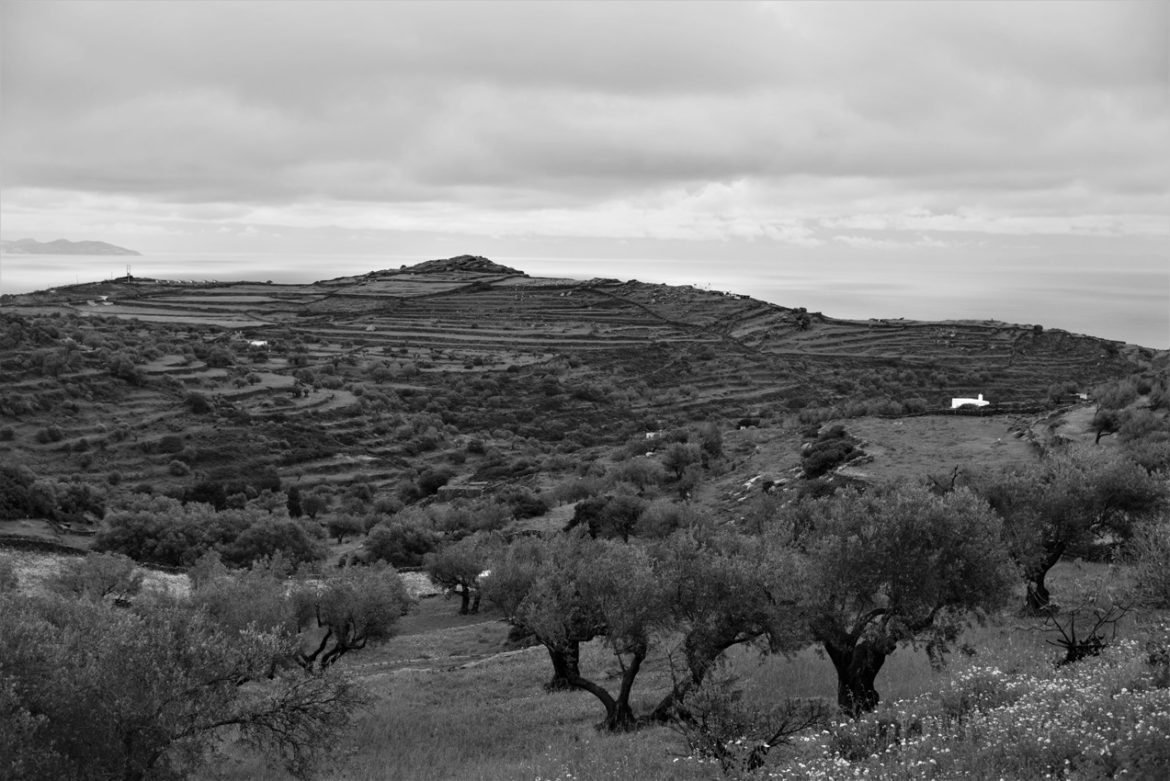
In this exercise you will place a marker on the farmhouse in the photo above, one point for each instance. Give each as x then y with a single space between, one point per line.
976 402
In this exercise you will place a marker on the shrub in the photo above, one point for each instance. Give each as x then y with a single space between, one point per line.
178 468
662 517
198 403
96 577
16 498
358 607
430 481
641 472
523 502
93 691
609 516
50 434
342 525
1150 552
272 536
399 543
575 489
832 447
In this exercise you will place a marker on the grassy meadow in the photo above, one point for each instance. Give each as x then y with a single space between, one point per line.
451 700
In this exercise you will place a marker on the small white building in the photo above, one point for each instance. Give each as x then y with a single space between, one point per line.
976 402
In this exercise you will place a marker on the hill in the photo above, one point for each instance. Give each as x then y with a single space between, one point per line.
62 247
463 370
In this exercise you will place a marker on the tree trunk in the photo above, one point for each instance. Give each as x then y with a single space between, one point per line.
464 600
1038 600
618 715
622 718
475 601
566 667
701 655
857 667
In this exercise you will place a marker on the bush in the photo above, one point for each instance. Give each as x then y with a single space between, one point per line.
1149 551
609 517
401 544
663 517
523 502
430 481
270 537
96 577
342 525
575 489
50 434
96 692
359 606
198 403
178 468
169 443
162 530
16 498
641 472
832 447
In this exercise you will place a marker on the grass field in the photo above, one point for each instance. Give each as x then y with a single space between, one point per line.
450 701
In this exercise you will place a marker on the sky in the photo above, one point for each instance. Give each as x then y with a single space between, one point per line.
740 134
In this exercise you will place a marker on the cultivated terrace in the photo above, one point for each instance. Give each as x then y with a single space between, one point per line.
710 519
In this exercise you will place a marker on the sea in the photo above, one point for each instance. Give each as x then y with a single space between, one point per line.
1127 301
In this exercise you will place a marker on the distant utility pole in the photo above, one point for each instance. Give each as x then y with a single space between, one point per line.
128 271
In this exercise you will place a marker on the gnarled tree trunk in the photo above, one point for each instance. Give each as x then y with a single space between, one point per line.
1038 599
566 662
857 656
857 668
618 715
702 650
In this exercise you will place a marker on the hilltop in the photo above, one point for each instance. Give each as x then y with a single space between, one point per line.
468 372
62 247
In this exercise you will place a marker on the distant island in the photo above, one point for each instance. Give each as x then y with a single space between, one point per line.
62 247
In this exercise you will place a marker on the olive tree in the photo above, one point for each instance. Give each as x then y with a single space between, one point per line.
99 692
347 611
609 589
515 571
1064 503
97 576
900 564
728 589
457 567
529 564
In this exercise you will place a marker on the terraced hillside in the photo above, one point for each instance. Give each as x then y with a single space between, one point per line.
462 364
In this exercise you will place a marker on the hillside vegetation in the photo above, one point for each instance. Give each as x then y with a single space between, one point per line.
375 378
684 534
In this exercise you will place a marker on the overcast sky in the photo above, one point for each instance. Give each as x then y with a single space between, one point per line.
946 130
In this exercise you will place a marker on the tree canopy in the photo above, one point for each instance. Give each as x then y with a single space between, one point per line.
897 564
1064 503
99 692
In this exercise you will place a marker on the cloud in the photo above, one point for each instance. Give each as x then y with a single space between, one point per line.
770 121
